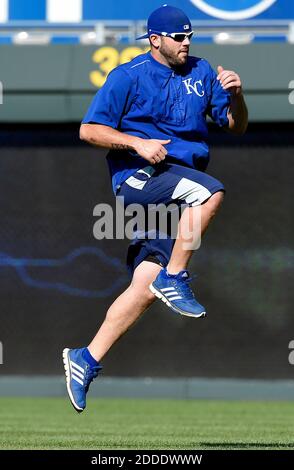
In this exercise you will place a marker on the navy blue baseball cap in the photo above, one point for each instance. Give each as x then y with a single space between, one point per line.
167 19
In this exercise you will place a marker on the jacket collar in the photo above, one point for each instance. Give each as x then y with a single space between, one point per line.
167 71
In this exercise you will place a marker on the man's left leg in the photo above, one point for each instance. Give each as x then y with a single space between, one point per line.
172 183
181 255
204 196
172 284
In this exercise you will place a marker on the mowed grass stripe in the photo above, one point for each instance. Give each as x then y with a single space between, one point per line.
51 423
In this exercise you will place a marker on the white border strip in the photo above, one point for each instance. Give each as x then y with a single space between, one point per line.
64 11
233 15
3 11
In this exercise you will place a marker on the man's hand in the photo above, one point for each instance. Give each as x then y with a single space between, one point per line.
229 80
237 111
152 150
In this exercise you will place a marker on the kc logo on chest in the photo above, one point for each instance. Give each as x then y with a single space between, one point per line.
196 87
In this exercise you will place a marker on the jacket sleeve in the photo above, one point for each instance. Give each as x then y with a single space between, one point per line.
219 101
112 101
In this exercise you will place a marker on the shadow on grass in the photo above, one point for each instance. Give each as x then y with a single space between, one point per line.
246 445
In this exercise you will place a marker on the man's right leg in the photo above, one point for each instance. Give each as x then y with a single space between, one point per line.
126 309
82 365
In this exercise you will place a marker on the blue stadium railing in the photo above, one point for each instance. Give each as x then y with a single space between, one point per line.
116 31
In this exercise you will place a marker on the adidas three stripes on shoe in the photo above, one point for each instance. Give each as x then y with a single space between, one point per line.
174 290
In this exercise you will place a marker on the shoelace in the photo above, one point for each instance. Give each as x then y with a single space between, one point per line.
183 287
90 375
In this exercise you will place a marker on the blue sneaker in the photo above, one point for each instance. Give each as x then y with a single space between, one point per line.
79 374
175 292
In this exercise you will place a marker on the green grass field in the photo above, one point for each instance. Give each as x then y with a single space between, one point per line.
51 423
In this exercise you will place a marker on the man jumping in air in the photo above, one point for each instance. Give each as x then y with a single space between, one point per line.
151 115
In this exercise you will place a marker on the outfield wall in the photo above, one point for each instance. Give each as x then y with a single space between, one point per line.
57 83
57 281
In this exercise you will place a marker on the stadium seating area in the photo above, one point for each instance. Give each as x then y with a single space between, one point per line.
85 22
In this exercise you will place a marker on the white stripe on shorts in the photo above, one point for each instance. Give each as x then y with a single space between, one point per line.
135 183
191 192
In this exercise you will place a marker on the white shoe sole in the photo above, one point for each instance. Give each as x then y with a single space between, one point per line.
164 299
68 378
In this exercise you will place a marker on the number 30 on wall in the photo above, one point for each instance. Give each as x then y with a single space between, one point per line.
108 58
